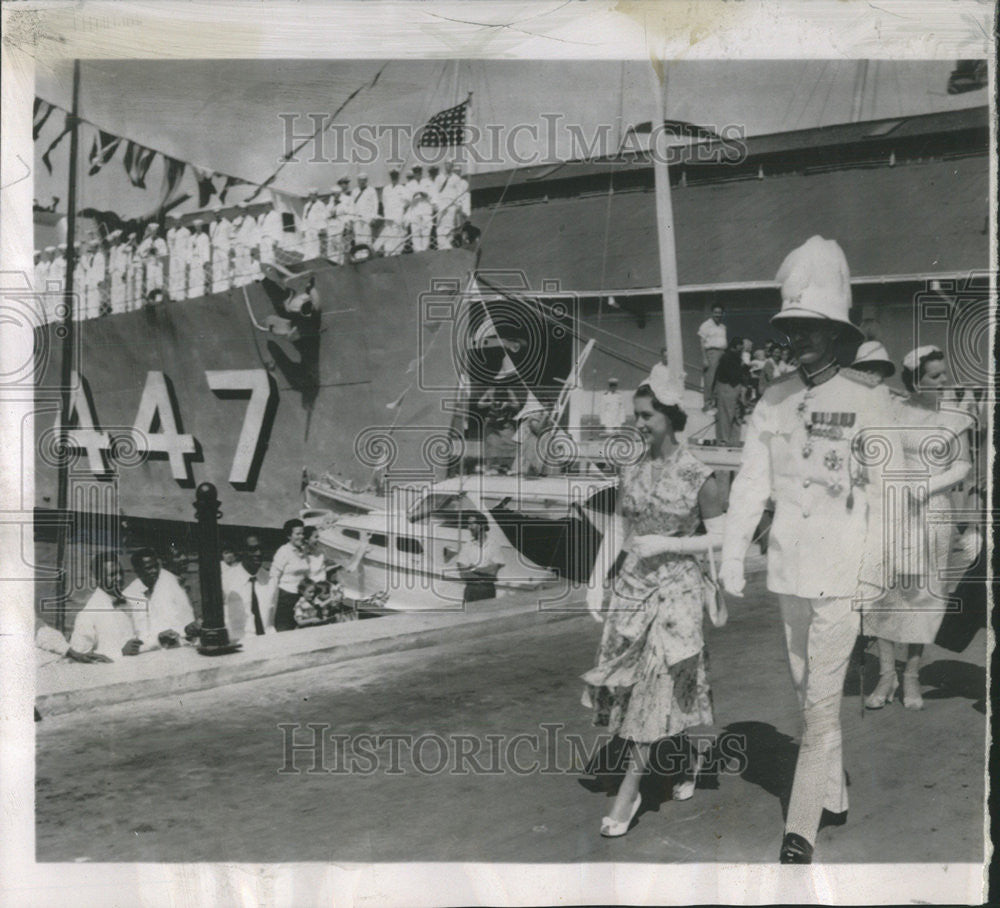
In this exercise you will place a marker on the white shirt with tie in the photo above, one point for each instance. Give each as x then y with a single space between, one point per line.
238 589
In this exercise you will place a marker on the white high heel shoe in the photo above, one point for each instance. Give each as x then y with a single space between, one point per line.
912 698
684 791
611 829
884 692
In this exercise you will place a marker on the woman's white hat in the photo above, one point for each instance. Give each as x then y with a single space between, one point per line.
912 359
816 283
873 352
665 390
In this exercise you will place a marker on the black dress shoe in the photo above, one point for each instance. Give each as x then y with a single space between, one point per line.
829 818
795 849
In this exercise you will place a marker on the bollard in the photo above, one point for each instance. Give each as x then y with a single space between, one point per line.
214 636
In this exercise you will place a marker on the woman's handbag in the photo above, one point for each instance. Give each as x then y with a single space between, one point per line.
715 600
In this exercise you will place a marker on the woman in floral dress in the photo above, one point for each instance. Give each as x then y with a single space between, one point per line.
650 680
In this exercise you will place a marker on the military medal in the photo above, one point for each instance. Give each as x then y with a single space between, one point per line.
833 460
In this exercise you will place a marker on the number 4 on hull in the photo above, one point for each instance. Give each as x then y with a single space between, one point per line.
156 427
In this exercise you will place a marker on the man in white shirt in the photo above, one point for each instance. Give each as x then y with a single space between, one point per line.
247 593
714 340
107 624
612 410
394 199
157 593
479 561
51 646
365 211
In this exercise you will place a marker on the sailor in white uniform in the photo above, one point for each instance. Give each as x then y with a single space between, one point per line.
200 260
394 199
270 229
94 278
220 234
365 211
804 450
179 250
313 221
152 250
453 205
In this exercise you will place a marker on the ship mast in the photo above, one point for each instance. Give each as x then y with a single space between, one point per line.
665 231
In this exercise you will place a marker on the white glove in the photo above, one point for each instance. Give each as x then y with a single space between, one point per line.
731 577
595 602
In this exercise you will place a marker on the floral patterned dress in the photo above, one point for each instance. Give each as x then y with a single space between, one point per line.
650 681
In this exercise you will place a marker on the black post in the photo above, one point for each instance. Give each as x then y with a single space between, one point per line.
214 636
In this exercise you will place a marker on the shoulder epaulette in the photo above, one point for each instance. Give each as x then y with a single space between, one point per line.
862 378
784 377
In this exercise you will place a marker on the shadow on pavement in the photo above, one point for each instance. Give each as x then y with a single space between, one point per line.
952 678
769 758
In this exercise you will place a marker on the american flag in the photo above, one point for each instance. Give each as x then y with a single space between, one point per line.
446 127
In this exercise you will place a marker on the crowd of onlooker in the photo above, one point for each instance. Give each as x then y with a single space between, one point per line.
299 588
214 251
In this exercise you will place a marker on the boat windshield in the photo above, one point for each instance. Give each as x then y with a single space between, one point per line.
440 505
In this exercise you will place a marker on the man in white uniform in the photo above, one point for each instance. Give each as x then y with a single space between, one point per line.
453 205
220 233
95 277
199 260
335 226
118 262
245 266
313 221
365 211
612 410
179 250
394 198
270 230
802 451
152 251
420 213
345 211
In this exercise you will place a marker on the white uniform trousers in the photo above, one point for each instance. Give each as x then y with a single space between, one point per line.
220 269
820 635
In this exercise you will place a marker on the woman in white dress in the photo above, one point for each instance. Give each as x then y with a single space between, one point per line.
931 447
